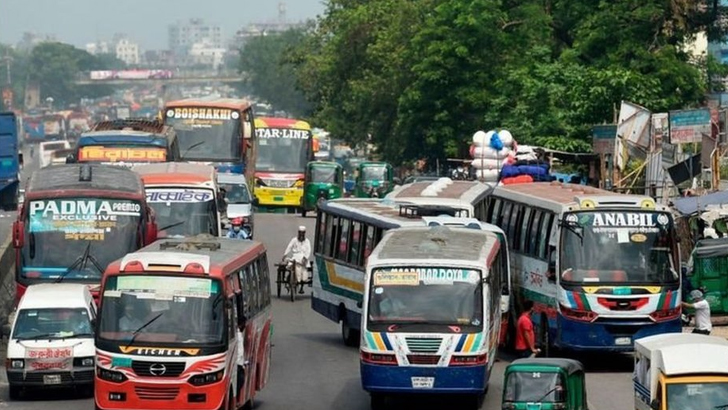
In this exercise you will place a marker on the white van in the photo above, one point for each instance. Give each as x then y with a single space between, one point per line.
47 148
51 344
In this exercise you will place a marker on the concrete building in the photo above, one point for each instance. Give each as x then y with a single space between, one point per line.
183 35
127 51
30 40
99 47
205 54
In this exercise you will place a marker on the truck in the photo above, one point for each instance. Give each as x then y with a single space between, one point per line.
10 162
683 371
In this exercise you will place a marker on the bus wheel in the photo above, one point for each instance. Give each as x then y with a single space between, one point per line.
14 392
475 401
378 401
544 336
349 335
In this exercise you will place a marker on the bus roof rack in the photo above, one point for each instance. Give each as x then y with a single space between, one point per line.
153 126
202 241
414 211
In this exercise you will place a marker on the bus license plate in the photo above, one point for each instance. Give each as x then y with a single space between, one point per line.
623 341
423 382
52 379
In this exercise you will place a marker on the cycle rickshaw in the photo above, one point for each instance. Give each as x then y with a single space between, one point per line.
287 278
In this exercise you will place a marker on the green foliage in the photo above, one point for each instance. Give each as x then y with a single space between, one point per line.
420 76
269 74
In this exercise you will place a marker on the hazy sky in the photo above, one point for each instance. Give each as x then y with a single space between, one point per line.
145 21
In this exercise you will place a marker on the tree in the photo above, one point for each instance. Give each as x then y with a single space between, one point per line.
269 74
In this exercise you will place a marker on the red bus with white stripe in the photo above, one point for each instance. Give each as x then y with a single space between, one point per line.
184 324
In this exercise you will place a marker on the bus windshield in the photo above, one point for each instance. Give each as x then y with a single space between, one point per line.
282 150
624 247
171 309
184 212
52 323
76 238
427 297
217 140
697 396
528 386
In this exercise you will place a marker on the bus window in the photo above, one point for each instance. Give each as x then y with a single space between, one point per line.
355 245
255 281
505 217
264 280
494 210
545 234
332 227
343 239
320 232
369 243
533 239
523 242
513 225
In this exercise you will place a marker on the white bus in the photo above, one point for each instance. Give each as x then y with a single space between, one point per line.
432 312
470 197
347 230
616 256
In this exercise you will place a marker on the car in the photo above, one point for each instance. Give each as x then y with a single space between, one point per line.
51 342
238 200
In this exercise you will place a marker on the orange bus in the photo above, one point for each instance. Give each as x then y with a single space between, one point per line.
215 131
184 196
184 324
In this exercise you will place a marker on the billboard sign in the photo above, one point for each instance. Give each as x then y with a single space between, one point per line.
603 139
688 126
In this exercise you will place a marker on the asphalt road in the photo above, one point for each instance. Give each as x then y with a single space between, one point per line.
313 370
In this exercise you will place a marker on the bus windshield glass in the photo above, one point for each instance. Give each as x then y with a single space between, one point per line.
171 309
184 212
618 246
527 386
76 238
282 150
432 298
52 323
686 396
207 134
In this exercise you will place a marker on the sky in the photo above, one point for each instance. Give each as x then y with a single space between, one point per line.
79 22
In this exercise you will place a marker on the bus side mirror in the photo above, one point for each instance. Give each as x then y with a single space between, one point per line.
71 159
18 234
242 321
255 201
655 404
559 395
151 233
359 304
551 274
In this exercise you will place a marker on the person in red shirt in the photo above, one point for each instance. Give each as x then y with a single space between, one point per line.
525 340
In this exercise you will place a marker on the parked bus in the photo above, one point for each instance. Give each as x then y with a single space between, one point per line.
173 316
432 313
601 268
468 196
75 220
347 230
285 147
185 198
216 131
127 142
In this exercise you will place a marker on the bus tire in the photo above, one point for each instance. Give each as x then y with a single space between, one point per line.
349 335
543 337
475 401
378 401
14 392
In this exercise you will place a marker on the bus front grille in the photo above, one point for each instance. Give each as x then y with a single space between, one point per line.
424 345
156 393
423 359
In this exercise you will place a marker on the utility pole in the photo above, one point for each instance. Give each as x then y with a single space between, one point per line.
7 92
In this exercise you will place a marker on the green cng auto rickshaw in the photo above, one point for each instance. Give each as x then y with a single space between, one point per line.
544 384
710 272
324 180
374 180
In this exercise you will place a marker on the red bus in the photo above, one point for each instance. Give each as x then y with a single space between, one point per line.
184 324
75 220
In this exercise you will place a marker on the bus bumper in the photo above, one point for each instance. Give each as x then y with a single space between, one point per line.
278 196
609 336
396 379
170 395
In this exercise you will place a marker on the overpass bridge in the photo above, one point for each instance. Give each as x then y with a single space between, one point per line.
177 78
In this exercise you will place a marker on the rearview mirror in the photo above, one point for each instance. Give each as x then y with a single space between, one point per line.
71 159
151 233
655 404
18 234
255 201
359 304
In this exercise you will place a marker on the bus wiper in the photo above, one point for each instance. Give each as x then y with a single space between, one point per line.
37 337
190 147
142 327
81 259
172 225
547 393
721 407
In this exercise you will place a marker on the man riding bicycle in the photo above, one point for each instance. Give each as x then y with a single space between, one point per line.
299 250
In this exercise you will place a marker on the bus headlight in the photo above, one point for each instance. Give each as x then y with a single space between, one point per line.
17 364
208 378
110 375
298 184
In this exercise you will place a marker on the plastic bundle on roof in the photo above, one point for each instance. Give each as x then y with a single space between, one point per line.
491 151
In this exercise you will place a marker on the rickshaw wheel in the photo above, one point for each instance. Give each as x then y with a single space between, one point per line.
292 282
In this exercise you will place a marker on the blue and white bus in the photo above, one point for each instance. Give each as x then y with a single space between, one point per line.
601 268
431 319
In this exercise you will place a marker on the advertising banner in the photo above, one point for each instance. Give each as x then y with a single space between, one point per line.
688 126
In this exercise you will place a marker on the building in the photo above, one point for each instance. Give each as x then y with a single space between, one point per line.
99 47
205 54
183 35
31 40
127 51
157 59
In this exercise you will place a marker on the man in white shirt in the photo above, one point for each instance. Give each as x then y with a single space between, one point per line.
703 324
299 250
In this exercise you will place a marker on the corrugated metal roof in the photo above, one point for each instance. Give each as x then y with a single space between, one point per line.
66 176
436 243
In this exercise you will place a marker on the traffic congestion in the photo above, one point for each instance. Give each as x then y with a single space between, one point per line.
314 216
